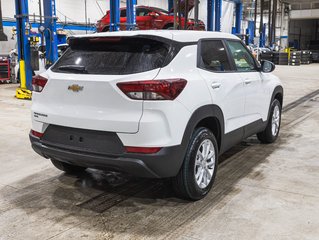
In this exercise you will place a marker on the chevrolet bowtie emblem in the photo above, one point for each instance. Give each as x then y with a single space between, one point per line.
75 88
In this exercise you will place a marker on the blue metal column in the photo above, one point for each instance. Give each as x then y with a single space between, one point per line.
262 40
23 31
251 32
114 15
51 40
218 14
210 15
239 15
130 14
170 5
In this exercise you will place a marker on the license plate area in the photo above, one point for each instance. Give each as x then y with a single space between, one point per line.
91 141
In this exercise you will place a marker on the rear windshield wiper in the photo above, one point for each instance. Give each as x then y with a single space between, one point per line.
73 68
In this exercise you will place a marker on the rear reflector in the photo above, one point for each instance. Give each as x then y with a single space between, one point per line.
38 83
145 150
36 134
167 89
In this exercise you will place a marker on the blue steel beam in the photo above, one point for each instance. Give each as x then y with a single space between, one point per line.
239 15
35 26
114 15
23 32
210 15
218 14
251 32
130 14
51 40
262 38
170 5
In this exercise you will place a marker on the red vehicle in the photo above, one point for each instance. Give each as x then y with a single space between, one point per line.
149 18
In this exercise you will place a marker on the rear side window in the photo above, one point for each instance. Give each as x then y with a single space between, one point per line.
213 56
112 55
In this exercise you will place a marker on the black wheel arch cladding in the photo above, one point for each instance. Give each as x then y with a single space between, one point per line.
204 112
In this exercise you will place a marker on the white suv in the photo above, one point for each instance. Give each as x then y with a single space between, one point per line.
154 104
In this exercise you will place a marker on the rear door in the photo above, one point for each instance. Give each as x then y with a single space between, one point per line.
225 85
82 91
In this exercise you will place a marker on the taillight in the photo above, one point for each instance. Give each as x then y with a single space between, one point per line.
36 134
38 83
153 89
144 150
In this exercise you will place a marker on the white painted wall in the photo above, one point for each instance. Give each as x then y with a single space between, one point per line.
157 3
73 9
304 14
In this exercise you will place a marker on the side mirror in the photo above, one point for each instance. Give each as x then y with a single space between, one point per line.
152 14
267 66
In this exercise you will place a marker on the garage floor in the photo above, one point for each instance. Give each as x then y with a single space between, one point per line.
261 191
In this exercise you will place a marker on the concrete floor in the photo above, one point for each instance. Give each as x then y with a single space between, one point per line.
261 191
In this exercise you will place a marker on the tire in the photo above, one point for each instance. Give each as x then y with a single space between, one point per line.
186 184
269 135
66 167
106 29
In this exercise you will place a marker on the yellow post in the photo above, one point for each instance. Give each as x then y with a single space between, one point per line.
22 92
23 80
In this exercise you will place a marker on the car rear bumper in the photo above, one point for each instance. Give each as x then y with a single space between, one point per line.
163 164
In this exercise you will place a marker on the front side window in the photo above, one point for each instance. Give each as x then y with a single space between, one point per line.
244 62
213 56
142 12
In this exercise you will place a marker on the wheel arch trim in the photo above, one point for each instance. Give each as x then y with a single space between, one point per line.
206 111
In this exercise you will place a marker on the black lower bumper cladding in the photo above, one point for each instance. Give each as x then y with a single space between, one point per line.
104 150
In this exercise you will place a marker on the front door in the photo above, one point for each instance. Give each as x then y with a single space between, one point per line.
256 102
143 20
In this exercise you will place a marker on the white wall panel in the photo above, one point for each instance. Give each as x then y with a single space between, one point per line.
227 16
154 3
8 8
304 14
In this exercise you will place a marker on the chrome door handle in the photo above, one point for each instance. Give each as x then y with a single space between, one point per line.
247 81
216 85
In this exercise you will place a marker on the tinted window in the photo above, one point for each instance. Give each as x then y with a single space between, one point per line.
142 12
112 55
213 56
243 60
123 13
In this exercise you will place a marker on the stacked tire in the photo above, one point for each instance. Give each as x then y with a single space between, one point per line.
306 57
280 58
275 58
295 58
315 56
267 56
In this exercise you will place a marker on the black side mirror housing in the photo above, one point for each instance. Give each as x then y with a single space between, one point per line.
267 66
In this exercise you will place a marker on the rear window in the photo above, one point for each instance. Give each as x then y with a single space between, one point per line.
112 55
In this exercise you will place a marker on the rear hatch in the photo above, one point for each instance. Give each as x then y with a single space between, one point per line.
81 90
